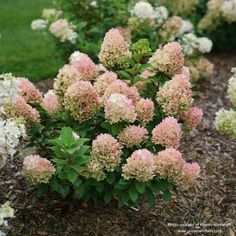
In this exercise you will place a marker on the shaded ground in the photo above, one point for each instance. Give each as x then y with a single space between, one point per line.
23 51
213 202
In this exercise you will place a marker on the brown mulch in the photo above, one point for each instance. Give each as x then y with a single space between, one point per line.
212 202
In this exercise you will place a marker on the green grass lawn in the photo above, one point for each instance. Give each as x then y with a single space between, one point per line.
22 51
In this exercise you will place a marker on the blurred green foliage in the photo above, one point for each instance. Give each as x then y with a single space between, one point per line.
23 51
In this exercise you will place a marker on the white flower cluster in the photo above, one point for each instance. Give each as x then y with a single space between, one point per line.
11 131
160 14
39 24
5 212
232 88
76 56
144 10
225 122
63 30
9 88
93 4
51 14
204 44
60 28
190 42
226 119
228 10
186 27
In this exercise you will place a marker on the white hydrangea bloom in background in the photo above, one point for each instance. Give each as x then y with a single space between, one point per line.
143 10
160 14
51 13
189 42
225 122
5 212
232 89
93 4
63 30
204 44
9 88
39 24
228 10
186 27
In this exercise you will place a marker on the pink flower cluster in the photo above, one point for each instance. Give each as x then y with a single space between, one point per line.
37 169
175 96
168 133
145 110
67 75
29 92
147 74
169 59
139 166
133 136
185 71
86 68
103 82
118 86
95 170
192 117
113 48
81 100
22 109
58 26
50 102
170 164
189 175
119 108
107 151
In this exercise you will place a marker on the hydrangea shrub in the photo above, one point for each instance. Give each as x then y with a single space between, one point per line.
109 132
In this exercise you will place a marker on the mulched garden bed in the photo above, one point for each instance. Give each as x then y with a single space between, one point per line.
212 202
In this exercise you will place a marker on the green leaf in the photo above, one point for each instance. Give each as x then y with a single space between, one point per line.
154 187
78 168
66 136
59 161
63 175
110 177
82 160
100 187
80 142
122 184
125 197
83 150
140 186
107 196
77 183
167 196
145 67
106 126
133 194
72 176
163 185
124 75
115 129
54 184
150 198
80 191
64 190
